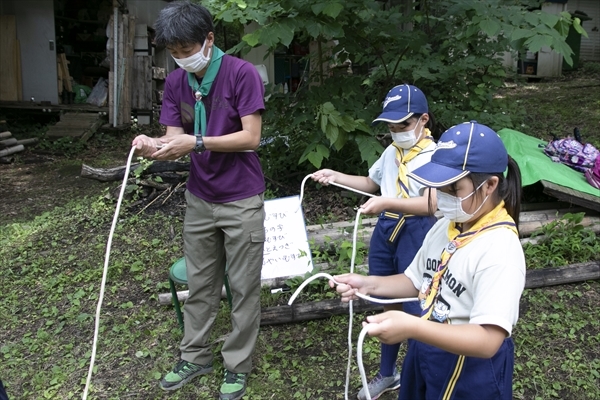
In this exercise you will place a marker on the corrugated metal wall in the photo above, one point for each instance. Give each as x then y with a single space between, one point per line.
590 46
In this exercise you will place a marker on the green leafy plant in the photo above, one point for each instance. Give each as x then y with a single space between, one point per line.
561 242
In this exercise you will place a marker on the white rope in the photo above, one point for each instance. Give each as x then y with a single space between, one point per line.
359 361
105 273
351 310
330 183
362 296
352 189
351 306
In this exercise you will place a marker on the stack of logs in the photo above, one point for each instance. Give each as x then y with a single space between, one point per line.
10 145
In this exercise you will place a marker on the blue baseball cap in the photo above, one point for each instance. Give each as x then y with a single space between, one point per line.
401 103
462 149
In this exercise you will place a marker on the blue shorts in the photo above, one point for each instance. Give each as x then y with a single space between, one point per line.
429 373
394 244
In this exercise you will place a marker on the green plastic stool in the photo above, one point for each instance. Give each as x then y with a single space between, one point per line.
178 274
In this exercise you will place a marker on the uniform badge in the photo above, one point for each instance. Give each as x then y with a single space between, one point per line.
451 247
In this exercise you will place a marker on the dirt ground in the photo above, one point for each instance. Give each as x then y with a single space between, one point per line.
38 184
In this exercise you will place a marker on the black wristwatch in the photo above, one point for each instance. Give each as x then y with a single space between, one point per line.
199 148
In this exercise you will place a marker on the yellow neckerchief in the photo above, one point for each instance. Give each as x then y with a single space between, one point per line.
402 182
496 218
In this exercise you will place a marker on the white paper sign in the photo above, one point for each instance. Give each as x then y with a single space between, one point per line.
286 251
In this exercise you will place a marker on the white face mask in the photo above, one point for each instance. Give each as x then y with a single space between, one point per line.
451 206
408 139
196 62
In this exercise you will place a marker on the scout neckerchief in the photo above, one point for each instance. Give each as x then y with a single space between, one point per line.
201 90
402 182
497 218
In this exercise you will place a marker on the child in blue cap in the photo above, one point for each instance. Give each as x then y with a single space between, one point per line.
469 275
405 215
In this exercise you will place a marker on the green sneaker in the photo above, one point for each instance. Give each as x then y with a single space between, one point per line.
233 387
183 372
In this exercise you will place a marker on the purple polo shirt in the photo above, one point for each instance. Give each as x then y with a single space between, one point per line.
236 92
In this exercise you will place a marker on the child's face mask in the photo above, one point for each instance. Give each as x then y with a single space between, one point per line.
451 206
407 139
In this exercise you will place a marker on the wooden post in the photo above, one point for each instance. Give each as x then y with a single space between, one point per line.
60 77
65 72
130 57
8 59
120 69
19 72
142 83
114 33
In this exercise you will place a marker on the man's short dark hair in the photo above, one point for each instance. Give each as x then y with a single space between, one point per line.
182 23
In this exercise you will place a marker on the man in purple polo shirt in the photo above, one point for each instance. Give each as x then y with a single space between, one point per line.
212 110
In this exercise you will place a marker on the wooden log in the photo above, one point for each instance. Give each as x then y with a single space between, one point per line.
8 142
535 278
298 312
562 275
5 134
325 236
27 141
7 160
12 150
114 174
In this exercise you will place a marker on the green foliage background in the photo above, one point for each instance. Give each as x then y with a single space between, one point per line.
451 49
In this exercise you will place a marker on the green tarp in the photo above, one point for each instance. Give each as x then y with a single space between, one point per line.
535 166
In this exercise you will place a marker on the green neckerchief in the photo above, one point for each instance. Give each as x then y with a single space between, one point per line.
200 91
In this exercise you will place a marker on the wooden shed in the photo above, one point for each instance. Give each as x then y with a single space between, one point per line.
590 46
50 48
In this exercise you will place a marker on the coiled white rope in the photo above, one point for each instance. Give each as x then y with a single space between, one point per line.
364 331
104 274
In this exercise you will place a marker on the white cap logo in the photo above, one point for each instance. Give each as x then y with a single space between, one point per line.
446 145
388 100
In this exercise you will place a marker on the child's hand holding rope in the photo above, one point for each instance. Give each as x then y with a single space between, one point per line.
348 285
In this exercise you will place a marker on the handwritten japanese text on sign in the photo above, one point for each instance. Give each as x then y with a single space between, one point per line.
286 251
